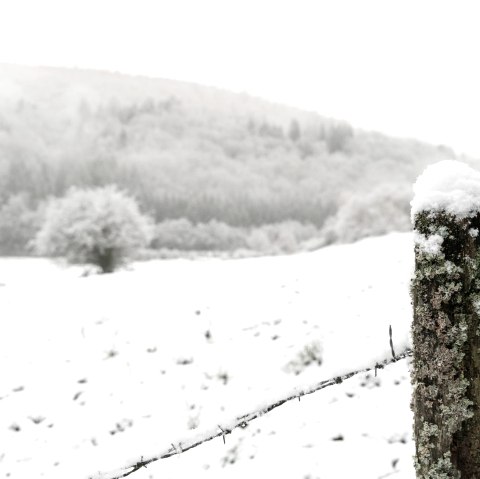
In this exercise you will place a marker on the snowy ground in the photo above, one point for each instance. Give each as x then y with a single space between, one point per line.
99 370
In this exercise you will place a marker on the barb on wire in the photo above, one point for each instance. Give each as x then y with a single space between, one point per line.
241 421
223 432
391 342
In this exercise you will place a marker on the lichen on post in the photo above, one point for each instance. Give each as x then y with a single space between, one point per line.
446 325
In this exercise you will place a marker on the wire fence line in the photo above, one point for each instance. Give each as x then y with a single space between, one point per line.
242 421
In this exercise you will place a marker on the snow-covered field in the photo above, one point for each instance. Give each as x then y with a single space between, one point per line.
99 370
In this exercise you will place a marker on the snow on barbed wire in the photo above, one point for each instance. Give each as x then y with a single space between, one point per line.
178 447
450 186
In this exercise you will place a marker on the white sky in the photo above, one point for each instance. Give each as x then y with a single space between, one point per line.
405 67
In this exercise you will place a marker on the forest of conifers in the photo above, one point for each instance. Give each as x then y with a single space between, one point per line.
225 170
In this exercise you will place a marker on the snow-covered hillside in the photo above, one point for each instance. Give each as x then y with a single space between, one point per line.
98 370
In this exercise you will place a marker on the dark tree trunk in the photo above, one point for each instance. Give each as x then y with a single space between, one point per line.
446 346
107 260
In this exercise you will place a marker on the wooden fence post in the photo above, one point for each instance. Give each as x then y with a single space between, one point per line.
446 324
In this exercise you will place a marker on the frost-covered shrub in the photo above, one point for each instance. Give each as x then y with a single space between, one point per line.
219 236
284 237
258 240
101 226
381 211
184 235
174 234
288 236
18 225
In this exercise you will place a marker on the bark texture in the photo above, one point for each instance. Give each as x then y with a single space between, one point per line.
446 346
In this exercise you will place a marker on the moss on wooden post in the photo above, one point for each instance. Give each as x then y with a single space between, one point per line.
446 343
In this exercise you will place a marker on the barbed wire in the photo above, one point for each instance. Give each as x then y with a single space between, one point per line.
242 421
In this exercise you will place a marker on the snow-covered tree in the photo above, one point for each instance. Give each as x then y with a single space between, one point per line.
101 226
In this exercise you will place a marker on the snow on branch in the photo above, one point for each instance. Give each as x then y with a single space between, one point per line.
184 445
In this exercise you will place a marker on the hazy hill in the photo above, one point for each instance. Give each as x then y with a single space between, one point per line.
200 153
67 89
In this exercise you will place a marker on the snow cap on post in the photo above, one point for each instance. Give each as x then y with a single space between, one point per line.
449 186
